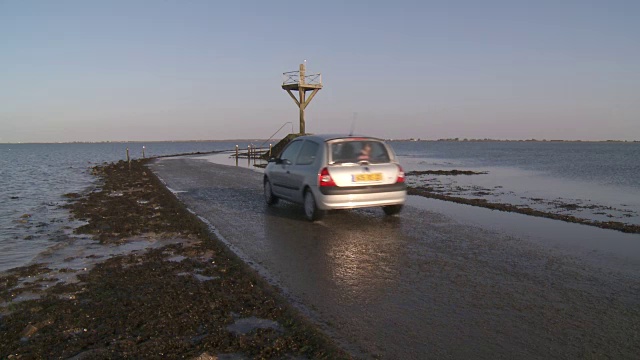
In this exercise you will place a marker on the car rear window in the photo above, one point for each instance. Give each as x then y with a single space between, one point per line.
354 151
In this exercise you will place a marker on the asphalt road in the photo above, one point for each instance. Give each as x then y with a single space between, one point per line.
428 283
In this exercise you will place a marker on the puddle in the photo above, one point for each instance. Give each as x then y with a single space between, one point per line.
176 258
27 295
231 356
199 277
204 278
247 325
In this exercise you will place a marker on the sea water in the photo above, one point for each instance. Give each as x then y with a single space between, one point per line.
34 178
597 181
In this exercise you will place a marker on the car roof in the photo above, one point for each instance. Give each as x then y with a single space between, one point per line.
328 137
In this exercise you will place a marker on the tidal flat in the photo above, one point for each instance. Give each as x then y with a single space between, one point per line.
157 284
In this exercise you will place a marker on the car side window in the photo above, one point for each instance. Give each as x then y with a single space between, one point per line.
291 151
308 153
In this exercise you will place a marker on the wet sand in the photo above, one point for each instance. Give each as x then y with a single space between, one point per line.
163 287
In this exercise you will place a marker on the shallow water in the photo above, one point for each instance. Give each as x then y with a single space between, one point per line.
604 163
34 177
593 181
531 189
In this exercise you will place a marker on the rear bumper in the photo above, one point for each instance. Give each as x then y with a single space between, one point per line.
356 200
360 190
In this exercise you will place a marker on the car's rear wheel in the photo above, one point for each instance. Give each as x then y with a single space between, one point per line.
311 211
269 198
392 209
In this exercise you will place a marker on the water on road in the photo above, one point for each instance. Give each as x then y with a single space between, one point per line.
439 280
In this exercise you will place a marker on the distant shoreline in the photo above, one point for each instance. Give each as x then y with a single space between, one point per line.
129 142
528 140
262 140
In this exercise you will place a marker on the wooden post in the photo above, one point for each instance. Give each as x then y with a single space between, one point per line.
302 91
269 151
302 87
143 151
236 155
302 129
128 159
248 154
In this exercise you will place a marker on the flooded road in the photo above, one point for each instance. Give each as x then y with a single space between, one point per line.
439 281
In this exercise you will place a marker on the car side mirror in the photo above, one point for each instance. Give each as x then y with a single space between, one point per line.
273 160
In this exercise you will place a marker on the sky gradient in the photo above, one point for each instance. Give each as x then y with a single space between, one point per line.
195 70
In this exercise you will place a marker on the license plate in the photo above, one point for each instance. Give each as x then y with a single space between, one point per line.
367 177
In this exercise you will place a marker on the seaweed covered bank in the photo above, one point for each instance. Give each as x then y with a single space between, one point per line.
160 285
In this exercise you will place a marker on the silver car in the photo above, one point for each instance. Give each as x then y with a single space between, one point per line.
326 172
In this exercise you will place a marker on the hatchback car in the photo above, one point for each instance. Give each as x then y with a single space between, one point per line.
326 172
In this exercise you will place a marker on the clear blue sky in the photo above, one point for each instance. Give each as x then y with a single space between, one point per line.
177 70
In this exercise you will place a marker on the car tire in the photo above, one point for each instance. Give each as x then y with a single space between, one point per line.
269 198
311 211
392 209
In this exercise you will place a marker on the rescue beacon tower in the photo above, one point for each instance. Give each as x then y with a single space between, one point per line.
301 82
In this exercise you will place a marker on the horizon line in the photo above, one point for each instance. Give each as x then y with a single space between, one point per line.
257 139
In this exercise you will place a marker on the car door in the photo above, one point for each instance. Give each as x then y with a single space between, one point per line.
304 169
280 173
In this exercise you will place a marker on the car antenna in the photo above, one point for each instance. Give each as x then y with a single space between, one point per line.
353 123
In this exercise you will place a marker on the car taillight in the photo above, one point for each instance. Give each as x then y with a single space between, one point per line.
400 178
324 179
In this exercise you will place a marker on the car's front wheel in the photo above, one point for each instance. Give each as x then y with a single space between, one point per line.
311 211
269 198
392 209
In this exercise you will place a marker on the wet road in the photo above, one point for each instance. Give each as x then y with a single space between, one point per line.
430 283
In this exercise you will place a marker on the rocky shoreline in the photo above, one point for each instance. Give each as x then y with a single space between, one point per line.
190 299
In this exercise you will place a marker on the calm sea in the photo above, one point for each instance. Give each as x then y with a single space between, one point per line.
33 178
606 163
